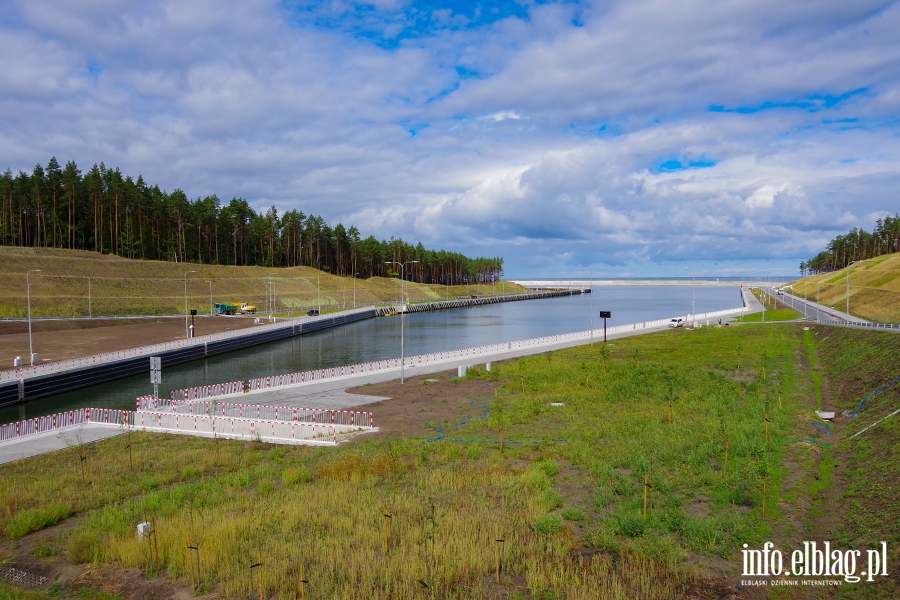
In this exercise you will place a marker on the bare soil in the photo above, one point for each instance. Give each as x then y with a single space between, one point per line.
60 340
418 406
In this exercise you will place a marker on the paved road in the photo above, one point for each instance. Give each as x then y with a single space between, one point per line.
812 310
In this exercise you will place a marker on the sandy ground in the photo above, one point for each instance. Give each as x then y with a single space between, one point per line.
59 340
415 408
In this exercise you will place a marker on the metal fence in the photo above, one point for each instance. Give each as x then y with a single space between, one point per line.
208 391
346 418
62 420
231 427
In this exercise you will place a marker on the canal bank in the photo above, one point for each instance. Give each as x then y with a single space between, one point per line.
27 383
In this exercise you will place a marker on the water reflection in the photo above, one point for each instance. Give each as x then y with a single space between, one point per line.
377 339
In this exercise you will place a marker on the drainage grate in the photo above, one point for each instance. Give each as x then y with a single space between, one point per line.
19 577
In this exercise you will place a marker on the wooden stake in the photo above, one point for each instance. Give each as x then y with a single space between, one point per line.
522 377
259 561
130 457
153 538
191 564
533 408
764 371
767 429
501 440
725 464
240 493
303 583
764 500
670 411
645 497
387 531
587 379
779 399
497 542
419 583
757 388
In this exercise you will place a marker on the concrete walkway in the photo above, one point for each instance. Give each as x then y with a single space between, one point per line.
52 441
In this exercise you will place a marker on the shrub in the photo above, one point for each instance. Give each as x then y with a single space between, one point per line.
296 475
630 526
547 466
82 546
572 514
36 519
547 523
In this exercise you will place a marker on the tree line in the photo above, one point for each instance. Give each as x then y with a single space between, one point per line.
857 244
105 211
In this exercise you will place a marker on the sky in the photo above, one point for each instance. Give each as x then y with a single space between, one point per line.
618 138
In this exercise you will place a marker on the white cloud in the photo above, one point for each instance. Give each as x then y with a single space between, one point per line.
516 135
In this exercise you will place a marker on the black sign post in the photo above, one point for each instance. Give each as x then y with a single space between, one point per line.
193 314
605 314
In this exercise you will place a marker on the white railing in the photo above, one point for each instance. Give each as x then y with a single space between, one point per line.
58 421
231 427
347 418
208 391
61 366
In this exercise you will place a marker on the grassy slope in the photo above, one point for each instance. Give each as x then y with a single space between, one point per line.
855 364
122 286
616 429
874 288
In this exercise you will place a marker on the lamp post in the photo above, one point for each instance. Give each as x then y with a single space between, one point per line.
354 289
848 284
187 333
402 310
319 291
28 294
818 284
210 296
90 312
274 306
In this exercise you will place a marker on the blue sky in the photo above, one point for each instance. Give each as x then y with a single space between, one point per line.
715 138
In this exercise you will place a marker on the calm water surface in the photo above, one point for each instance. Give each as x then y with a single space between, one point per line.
377 339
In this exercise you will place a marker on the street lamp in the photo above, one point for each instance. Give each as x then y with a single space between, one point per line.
402 309
848 284
187 333
210 296
28 294
354 289
90 312
272 297
319 291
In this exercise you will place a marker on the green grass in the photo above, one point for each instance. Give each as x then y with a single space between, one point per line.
121 286
323 507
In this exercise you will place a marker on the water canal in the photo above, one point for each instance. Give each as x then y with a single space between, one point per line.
377 339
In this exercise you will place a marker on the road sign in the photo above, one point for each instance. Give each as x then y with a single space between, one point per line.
605 314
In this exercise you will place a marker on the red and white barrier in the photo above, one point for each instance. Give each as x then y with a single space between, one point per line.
62 420
346 418
236 428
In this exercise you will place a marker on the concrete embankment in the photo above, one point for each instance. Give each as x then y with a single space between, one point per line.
47 379
480 301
